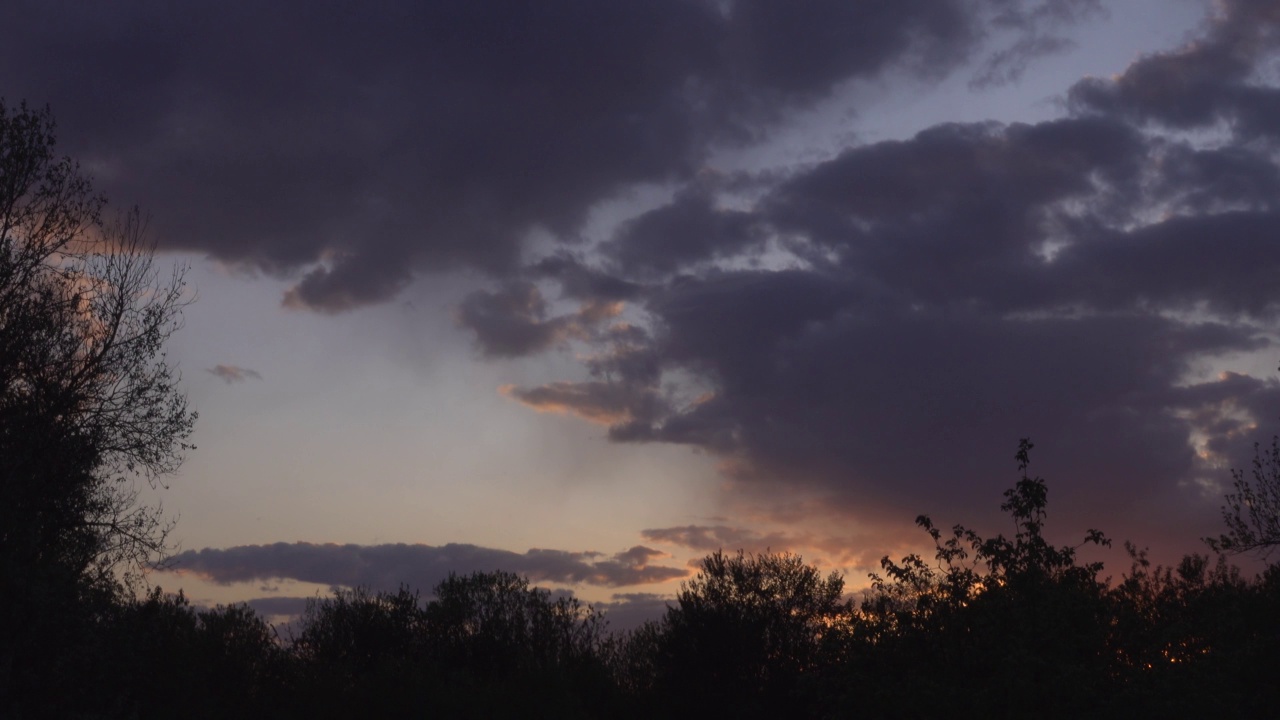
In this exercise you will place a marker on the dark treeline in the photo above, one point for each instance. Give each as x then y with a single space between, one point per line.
990 627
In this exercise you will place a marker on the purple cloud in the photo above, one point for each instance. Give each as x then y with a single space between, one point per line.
386 567
360 150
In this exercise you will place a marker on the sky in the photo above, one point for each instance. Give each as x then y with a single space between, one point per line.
587 290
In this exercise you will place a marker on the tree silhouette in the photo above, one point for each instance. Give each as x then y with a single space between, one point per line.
89 405
494 623
1252 512
88 402
493 637
745 631
996 627
485 638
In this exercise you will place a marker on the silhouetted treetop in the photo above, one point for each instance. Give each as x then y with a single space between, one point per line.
89 404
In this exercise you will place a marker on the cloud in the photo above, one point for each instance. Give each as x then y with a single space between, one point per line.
853 551
385 567
1008 65
579 281
231 374
512 321
606 403
688 230
1036 29
355 151
1219 79
1071 280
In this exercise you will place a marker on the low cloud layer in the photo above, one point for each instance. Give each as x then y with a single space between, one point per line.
386 567
856 552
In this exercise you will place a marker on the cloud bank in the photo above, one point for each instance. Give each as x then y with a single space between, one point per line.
386 567
354 149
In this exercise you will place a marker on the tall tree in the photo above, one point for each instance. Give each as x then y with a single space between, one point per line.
746 633
90 410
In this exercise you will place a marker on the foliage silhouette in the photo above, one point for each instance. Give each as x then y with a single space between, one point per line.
991 628
483 639
89 405
744 633
1199 624
1252 512
1026 621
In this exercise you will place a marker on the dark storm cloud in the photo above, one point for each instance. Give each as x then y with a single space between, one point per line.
1069 280
1226 263
688 230
887 397
385 567
938 214
358 147
882 407
233 373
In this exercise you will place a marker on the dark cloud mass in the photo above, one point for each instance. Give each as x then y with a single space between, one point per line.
385 567
947 294
360 147
685 232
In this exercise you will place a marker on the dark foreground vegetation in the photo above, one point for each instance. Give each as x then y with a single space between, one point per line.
990 627
1002 627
